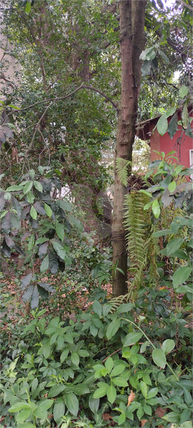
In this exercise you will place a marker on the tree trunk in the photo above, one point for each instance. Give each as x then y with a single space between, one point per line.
132 41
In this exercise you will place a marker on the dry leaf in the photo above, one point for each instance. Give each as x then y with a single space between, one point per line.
160 412
107 417
131 398
143 422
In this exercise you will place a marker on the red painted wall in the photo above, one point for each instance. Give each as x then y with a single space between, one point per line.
166 144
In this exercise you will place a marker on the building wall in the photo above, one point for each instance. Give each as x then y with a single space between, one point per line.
181 143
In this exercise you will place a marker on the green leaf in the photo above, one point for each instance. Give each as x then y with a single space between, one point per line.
125 307
64 355
45 264
109 364
56 390
173 125
31 242
167 346
97 308
75 358
132 338
19 406
120 381
75 222
23 415
28 8
181 275
59 249
174 245
156 208
48 210
101 391
94 404
35 298
171 417
26 281
183 91
185 115
33 213
111 393
26 425
27 187
170 112
30 197
172 186
121 418
59 410
152 393
144 388
14 188
72 403
66 206
38 186
162 124
118 370
159 358
60 231
112 328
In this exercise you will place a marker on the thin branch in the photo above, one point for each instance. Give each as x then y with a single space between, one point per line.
185 4
53 100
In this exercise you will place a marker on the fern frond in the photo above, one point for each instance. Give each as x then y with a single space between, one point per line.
122 167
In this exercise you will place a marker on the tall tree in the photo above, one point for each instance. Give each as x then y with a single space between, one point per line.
132 41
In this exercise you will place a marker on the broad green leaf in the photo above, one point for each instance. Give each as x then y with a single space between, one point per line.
27 187
93 404
162 124
33 213
171 417
31 242
75 358
174 245
48 210
64 355
109 364
172 186
66 206
19 406
112 328
120 381
43 249
75 222
56 390
45 264
26 281
187 424
156 208
181 275
111 393
159 358
28 8
14 188
132 338
97 308
170 112
118 370
152 393
121 418
60 230
30 197
125 307
26 425
72 403
32 173
173 125
59 410
144 388
38 186
23 415
183 91
168 345
35 297
101 391
59 249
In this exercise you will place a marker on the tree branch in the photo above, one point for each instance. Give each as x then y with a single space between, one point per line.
185 4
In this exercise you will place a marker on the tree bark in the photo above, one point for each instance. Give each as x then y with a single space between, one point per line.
132 41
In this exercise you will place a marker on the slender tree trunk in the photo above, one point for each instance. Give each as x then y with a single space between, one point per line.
132 41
